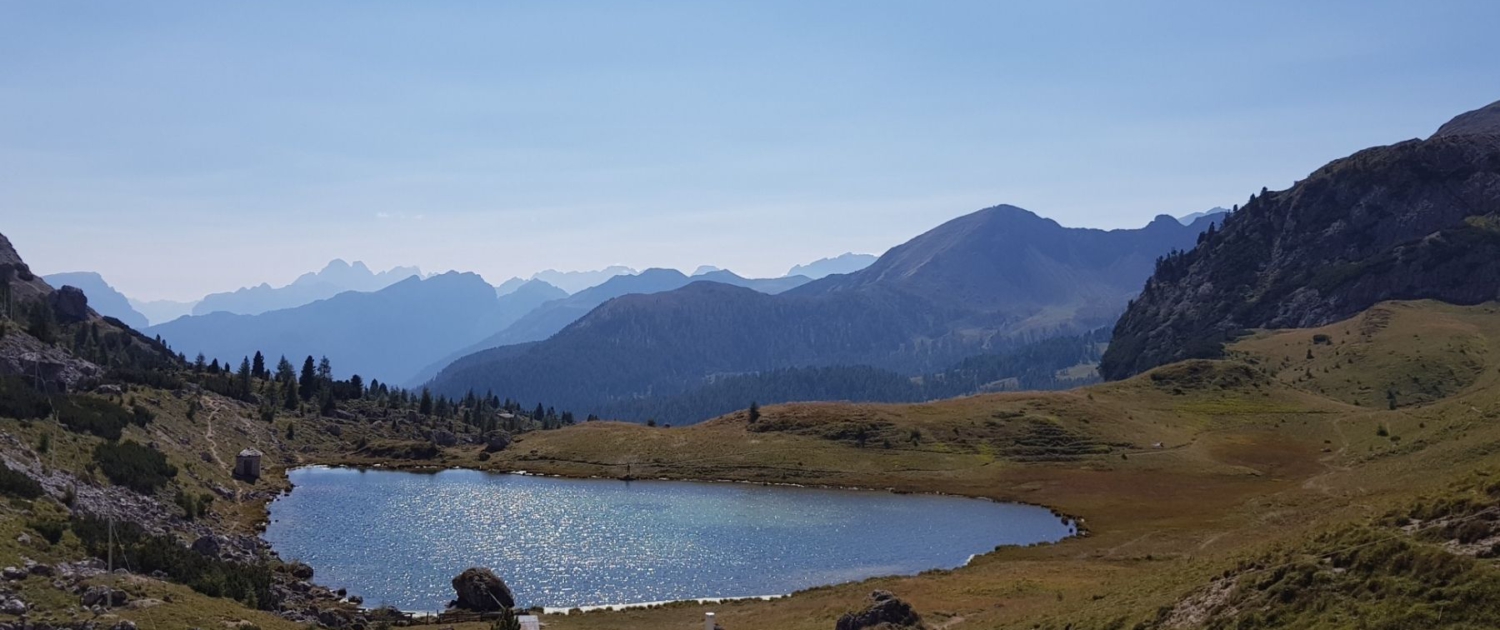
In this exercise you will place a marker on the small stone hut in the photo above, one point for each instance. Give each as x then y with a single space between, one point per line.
247 464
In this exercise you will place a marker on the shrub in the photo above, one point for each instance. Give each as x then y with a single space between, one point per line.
86 414
17 484
50 530
248 583
140 468
19 400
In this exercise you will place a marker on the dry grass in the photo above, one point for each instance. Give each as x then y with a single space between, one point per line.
1178 474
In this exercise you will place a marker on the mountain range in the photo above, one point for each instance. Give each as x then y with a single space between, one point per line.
985 282
335 278
386 334
552 316
1412 220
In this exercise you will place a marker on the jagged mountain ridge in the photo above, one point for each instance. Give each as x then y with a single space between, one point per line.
1412 220
336 277
848 262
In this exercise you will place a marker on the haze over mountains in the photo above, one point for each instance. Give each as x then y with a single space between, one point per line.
843 263
984 282
335 278
386 334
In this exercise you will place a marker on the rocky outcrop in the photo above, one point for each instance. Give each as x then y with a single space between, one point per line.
479 589
1413 220
24 355
884 611
69 305
24 285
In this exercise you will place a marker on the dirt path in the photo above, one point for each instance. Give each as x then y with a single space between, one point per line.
213 445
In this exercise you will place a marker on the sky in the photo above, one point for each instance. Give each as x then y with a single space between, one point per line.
185 148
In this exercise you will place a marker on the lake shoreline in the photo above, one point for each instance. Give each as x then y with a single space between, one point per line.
1073 526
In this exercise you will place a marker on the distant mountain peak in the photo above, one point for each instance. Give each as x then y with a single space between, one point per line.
705 269
847 262
1188 219
1482 121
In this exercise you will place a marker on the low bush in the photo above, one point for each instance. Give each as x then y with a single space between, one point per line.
97 416
17 484
19 400
140 468
142 552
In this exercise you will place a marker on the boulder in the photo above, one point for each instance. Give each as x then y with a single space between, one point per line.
332 618
496 441
69 304
884 611
109 390
13 607
123 624
479 589
444 438
209 545
43 570
104 596
13 573
300 570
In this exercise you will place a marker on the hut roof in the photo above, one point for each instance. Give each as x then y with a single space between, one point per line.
250 452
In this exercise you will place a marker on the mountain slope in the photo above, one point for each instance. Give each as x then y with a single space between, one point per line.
387 334
985 282
510 307
102 297
335 278
1416 219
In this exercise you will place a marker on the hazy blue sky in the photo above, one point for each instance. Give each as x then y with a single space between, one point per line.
182 148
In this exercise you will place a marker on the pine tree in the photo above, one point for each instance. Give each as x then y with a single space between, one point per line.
244 378
425 408
307 384
258 367
289 397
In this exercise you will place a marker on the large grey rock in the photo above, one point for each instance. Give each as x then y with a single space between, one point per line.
496 441
444 438
69 304
884 611
13 607
480 589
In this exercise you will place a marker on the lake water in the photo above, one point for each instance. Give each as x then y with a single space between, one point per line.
398 538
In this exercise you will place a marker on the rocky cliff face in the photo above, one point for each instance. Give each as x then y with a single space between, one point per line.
1416 219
